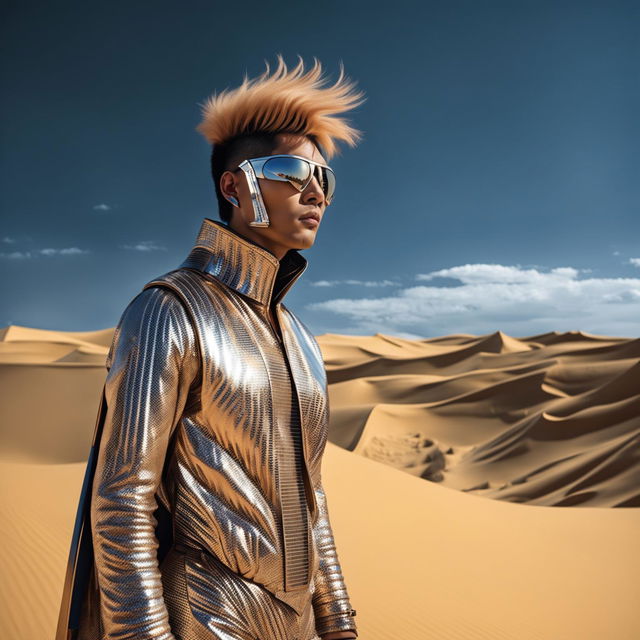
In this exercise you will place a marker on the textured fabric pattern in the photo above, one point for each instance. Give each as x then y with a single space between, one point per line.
206 600
152 367
214 416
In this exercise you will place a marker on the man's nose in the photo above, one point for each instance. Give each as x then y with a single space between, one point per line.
314 190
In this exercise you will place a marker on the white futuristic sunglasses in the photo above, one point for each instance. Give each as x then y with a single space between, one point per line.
295 170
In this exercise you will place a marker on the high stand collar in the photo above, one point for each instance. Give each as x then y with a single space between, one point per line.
242 264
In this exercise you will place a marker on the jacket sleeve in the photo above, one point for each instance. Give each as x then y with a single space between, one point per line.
331 604
152 363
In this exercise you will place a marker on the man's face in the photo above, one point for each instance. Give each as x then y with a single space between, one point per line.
285 204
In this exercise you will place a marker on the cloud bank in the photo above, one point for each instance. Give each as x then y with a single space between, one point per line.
492 297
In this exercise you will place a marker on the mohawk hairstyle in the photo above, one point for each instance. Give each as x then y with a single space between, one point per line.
246 122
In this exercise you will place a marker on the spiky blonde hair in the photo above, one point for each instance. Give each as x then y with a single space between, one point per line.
287 101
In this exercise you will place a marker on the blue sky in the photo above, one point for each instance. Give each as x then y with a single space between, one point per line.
496 186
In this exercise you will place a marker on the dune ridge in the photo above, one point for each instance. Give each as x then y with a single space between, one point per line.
550 419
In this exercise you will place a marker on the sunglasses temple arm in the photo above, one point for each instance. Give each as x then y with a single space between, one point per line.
260 216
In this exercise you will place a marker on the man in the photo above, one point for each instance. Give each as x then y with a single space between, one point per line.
203 515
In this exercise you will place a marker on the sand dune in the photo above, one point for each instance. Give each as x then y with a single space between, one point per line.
430 544
551 419
54 380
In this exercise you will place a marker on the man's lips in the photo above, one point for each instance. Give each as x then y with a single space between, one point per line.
315 216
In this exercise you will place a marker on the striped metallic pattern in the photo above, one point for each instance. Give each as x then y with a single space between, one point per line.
207 600
214 416
289 470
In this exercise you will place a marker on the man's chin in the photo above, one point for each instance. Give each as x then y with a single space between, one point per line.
302 240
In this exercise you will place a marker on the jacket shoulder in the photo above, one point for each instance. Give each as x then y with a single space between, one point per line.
154 309
180 277
188 284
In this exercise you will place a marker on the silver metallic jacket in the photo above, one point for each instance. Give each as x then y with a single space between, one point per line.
210 436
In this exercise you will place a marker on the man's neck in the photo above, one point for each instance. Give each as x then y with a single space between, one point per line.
278 250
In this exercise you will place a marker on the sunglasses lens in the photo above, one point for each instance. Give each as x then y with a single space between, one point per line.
330 179
327 181
294 170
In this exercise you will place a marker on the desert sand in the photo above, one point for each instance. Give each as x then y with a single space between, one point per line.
480 487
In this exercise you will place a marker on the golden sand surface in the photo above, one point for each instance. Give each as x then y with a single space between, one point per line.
479 487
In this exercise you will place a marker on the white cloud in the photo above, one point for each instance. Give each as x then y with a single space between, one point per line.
495 297
8 240
21 255
101 207
144 245
69 251
635 261
496 273
362 283
16 255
